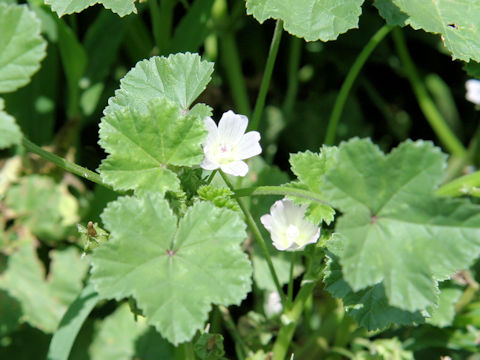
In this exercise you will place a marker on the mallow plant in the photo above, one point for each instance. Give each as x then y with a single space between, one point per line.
179 237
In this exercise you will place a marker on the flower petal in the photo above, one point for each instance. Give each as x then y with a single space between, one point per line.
207 164
473 91
267 220
249 145
235 168
232 127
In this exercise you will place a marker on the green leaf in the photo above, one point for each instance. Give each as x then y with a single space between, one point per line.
193 28
473 69
117 337
10 313
74 62
174 272
396 231
71 323
44 301
63 7
391 13
33 106
21 46
444 314
46 208
141 145
179 78
453 20
369 307
311 19
310 169
10 133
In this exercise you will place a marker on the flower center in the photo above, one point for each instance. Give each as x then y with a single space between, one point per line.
224 153
292 233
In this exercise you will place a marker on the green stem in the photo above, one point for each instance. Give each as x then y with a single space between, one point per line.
267 75
286 332
254 228
280 190
430 111
64 164
349 80
293 65
290 282
462 186
233 68
212 175
232 329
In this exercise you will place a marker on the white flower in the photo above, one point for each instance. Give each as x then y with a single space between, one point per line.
473 91
227 145
273 304
287 226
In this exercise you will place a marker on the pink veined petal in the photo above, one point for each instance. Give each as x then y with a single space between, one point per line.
249 145
209 165
232 127
235 168
266 220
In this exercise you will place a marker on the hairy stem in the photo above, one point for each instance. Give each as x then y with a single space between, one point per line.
349 80
430 111
64 164
293 65
280 190
290 282
267 75
468 184
256 232
286 332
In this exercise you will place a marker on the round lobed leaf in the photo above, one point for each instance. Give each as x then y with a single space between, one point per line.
456 22
64 7
141 145
396 232
174 272
311 19
21 46
179 78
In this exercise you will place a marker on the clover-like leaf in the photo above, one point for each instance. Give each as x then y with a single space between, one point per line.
64 7
43 301
396 231
10 133
174 272
369 307
21 46
142 145
311 19
46 208
179 78
310 169
455 21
